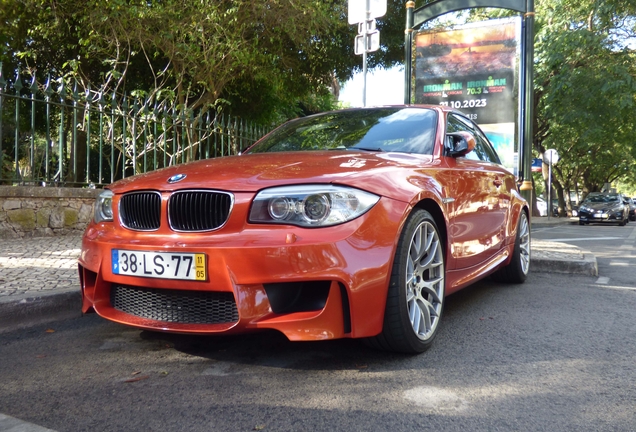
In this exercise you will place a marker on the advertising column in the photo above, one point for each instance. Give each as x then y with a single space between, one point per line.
475 69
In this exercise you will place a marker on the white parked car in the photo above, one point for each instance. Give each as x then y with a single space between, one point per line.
542 206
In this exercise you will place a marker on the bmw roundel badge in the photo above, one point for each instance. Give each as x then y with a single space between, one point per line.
176 178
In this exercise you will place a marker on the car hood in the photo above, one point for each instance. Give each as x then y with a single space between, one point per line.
253 172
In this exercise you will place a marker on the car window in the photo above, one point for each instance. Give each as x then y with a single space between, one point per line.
483 149
408 130
602 198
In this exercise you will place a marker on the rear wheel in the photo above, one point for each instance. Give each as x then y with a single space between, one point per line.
416 291
517 270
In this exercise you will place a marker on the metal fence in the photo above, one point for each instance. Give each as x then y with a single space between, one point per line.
50 134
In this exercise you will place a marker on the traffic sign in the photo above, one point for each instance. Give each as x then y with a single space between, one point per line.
373 42
550 157
358 10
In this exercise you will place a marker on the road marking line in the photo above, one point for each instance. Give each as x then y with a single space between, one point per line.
624 288
585 239
8 423
602 280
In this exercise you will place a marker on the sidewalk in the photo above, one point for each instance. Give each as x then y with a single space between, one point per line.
39 278
557 257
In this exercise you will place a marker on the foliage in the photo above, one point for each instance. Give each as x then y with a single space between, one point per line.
584 92
261 57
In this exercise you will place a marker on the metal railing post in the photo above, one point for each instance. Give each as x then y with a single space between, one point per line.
100 102
48 91
88 133
113 112
3 84
124 109
34 89
133 132
18 89
61 142
75 97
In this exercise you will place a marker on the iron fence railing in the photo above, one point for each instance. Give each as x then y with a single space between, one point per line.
52 135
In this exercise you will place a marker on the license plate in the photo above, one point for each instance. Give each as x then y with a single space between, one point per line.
161 265
600 215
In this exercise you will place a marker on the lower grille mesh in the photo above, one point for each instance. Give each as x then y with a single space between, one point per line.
175 306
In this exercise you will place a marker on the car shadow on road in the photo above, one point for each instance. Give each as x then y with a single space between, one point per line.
273 349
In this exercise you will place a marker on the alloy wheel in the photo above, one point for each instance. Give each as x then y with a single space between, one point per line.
425 280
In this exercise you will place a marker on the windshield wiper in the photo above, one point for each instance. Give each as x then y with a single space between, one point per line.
367 149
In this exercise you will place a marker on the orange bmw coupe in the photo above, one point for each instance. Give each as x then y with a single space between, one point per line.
348 224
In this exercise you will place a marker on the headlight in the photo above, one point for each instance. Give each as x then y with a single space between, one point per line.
310 206
104 207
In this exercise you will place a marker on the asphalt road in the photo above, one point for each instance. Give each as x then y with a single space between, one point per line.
613 246
555 354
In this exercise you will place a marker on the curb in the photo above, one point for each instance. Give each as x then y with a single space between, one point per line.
588 266
542 221
28 310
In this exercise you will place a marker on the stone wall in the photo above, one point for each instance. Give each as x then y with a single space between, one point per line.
27 211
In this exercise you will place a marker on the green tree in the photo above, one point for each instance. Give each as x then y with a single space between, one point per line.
585 86
267 59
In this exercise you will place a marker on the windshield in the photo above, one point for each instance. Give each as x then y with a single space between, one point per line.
409 130
602 199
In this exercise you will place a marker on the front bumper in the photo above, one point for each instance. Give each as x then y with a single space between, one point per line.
309 284
601 217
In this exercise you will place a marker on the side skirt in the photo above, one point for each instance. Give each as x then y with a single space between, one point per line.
458 279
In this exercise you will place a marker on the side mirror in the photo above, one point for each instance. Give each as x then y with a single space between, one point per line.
460 143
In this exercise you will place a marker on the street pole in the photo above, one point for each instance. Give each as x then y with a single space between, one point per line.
550 186
408 51
526 156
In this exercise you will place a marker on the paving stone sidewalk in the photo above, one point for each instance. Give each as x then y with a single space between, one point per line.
38 280
39 265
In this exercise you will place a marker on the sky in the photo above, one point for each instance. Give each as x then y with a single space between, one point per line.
384 87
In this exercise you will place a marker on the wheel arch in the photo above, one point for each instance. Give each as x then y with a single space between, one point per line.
517 206
435 210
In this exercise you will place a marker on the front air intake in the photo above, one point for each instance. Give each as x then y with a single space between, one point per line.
175 306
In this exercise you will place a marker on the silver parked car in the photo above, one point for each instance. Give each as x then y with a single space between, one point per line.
600 207
632 207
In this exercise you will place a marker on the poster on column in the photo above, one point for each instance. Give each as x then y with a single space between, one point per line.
475 69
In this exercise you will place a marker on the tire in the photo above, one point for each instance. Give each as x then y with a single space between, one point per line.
516 271
581 223
415 298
